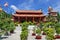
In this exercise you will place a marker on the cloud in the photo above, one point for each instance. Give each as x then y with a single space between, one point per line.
31 1
47 0
44 1
57 8
14 7
27 5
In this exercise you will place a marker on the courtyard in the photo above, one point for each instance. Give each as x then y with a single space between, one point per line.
17 32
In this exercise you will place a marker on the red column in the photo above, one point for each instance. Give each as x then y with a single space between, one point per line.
13 18
33 19
40 19
18 19
26 18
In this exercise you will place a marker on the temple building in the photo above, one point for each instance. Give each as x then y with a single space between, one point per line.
32 15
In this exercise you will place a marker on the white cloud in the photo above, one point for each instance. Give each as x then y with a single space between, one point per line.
31 1
57 8
47 0
14 7
26 5
43 1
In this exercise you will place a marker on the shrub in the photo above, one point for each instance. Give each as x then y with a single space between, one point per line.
24 35
24 28
49 33
57 27
30 23
38 31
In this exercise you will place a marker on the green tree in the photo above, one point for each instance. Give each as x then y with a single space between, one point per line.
58 17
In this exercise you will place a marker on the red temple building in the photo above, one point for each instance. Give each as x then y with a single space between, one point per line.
32 15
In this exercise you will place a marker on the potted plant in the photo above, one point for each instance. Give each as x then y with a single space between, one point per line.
34 32
48 25
24 35
1 33
24 28
41 25
49 33
57 28
38 32
12 27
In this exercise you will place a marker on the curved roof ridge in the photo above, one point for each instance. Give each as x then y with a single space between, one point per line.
38 11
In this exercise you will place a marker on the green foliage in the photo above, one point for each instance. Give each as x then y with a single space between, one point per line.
57 28
5 22
41 25
24 32
4 15
1 32
16 23
30 23
47 24
38 31
34 30
49 30
58 16
25 24
12 26
24 35
24 28
51 18
49 33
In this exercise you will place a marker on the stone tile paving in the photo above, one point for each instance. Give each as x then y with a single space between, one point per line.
30 37
57 39
16 35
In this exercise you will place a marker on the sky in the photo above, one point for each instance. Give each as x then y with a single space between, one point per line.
14 5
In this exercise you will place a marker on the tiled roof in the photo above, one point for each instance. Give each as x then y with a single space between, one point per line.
29 11
28 15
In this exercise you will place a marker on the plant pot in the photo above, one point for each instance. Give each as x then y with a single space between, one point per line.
43 33
33 34
38 37
12 31
6 34
0 36
57 37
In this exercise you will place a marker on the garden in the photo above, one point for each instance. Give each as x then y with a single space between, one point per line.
51 28
7 26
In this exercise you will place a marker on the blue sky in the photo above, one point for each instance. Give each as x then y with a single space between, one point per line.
14 5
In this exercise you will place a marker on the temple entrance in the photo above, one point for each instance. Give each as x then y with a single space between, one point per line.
29 19
36 19
22 19
16 19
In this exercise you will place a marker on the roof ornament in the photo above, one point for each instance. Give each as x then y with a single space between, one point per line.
6 4
40 10
50 9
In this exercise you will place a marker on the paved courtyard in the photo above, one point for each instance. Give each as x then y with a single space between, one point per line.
16 35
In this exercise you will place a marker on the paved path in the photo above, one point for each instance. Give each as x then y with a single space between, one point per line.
16 35
30 37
